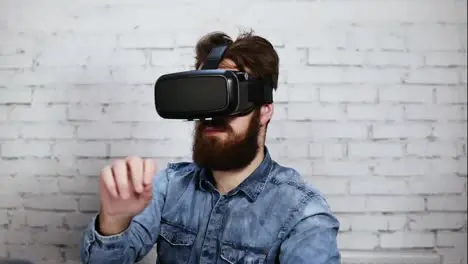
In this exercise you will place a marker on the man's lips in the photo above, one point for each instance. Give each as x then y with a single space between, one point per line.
211 129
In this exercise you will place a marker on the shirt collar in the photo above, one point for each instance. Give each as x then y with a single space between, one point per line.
252 186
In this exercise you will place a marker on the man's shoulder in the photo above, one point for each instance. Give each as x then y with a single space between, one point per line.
290 184
179 174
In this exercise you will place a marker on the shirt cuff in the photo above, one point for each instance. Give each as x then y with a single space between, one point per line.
119 240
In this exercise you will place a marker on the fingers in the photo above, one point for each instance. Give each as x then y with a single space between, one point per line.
135 166
149 170
127 176
107 178
121 178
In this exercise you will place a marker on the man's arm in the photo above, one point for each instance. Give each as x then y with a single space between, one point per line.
313 239
135 241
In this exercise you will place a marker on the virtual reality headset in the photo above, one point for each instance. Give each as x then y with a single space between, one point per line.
210 92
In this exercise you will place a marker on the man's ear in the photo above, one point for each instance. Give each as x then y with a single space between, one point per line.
266 113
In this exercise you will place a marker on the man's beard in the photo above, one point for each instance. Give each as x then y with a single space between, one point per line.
233 152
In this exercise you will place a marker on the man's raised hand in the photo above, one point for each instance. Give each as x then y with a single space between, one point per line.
126 188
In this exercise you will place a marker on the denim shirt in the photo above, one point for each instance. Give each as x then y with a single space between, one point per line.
271 217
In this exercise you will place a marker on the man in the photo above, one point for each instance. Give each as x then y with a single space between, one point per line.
232 204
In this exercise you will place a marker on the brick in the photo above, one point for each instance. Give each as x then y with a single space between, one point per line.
26 149
451 95
401 130
316 75
293 129
394 59
432 76
36 253
423 38
361 150
57 237
10 201
9 131
303 166
367 240
340 204
336 57
16 61
62 76
341 168
447 203
372 112
36 185
329 186
437 221
132 113
445 59
38 113
136 40
173 57
437 185
432 149
43 219
86 112
444 130
77 220
48 167
326 150
367 222
104 130
47 131
408 240
90 167
88 204
406 94
377 76
51 203
292 56
301 93
308 111
340 130
395 204
15 96
343 94
377 37
79 149
433 113
377 185
451 239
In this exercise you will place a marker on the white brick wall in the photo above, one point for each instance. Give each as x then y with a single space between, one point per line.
371 108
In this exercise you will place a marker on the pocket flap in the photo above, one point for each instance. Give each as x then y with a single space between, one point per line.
233 254
176 235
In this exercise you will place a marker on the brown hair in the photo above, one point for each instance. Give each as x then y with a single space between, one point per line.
248 51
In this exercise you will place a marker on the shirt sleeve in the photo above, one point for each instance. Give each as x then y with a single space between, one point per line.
313 239
135 242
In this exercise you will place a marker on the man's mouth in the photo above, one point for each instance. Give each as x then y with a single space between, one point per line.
213 129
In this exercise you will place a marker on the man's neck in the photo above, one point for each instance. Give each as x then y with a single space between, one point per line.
229 180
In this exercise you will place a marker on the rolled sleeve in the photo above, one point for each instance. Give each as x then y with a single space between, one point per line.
132 244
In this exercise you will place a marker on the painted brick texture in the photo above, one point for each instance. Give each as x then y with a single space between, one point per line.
371 109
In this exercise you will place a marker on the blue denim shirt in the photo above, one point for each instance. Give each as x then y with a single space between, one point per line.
272 217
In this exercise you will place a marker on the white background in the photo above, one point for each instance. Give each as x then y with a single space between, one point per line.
371 109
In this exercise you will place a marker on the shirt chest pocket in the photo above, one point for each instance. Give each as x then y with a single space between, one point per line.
174 244
235 255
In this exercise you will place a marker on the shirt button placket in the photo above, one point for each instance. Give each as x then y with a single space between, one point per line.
214 228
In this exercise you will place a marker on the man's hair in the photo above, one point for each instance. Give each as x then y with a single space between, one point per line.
248 51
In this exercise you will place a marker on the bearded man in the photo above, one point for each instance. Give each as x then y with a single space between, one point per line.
232 204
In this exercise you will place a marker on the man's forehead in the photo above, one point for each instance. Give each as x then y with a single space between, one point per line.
228 64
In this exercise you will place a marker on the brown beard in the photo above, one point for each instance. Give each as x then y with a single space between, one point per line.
232 153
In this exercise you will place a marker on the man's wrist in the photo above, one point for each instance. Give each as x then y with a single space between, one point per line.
111 225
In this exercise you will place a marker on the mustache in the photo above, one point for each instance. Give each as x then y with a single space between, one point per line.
216 123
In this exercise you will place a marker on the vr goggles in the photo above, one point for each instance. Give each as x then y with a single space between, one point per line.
210 92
